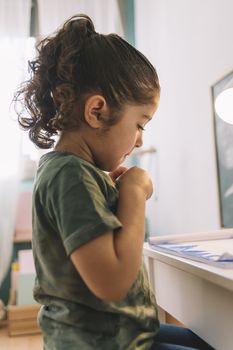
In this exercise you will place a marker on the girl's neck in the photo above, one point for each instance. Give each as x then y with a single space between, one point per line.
74 143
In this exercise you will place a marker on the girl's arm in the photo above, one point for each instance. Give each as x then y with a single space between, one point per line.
109 264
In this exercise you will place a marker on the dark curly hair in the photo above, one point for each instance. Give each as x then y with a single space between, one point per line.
74 62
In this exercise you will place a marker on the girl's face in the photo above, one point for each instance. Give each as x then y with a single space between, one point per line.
119 140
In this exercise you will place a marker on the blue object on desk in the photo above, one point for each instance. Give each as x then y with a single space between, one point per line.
193 251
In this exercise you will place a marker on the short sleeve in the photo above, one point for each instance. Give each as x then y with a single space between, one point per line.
79 207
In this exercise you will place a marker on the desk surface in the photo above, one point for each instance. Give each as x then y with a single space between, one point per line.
220 276
198 295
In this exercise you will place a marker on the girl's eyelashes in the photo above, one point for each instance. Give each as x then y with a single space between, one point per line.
140 127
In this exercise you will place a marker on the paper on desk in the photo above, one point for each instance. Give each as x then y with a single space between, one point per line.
196 236
218 251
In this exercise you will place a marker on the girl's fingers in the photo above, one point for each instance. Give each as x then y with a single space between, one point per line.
118 172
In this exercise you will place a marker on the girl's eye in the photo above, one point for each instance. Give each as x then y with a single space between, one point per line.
140 127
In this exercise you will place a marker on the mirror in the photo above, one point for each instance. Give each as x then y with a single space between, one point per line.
224 147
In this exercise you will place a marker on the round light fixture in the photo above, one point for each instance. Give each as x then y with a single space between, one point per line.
224 105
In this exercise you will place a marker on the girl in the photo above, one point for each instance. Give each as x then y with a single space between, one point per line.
97 93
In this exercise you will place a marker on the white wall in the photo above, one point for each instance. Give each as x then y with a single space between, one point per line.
191 44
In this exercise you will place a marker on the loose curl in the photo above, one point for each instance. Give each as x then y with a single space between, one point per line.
74 62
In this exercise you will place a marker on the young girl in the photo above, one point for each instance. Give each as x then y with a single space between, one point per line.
97 93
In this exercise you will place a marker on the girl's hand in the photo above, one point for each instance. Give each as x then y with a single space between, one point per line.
117 173
136 178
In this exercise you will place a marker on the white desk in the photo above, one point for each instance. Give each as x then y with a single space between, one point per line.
198 295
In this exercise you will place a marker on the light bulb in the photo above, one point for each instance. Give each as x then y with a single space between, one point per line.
224 105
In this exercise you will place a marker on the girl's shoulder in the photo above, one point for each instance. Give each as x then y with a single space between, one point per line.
55 165
59 160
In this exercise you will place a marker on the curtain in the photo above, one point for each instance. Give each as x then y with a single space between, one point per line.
104 13
14 48
126 8
15 18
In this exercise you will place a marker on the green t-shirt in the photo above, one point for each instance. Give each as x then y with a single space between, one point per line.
73 203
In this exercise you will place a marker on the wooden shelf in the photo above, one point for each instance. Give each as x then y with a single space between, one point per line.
22 239
23 319
23 235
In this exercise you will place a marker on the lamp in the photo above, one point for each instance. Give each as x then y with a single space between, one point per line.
224 100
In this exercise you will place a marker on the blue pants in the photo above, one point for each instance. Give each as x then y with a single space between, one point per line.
171 337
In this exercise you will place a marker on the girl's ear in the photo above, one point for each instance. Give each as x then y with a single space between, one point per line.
95 109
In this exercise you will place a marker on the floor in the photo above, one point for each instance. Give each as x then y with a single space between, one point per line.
32 342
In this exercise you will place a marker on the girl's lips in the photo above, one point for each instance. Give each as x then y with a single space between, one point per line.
128 154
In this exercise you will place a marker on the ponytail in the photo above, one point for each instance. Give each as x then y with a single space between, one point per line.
76 61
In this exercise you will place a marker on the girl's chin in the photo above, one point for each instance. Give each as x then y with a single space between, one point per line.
113 166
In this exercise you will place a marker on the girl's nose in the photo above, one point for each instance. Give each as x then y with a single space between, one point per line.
139 141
